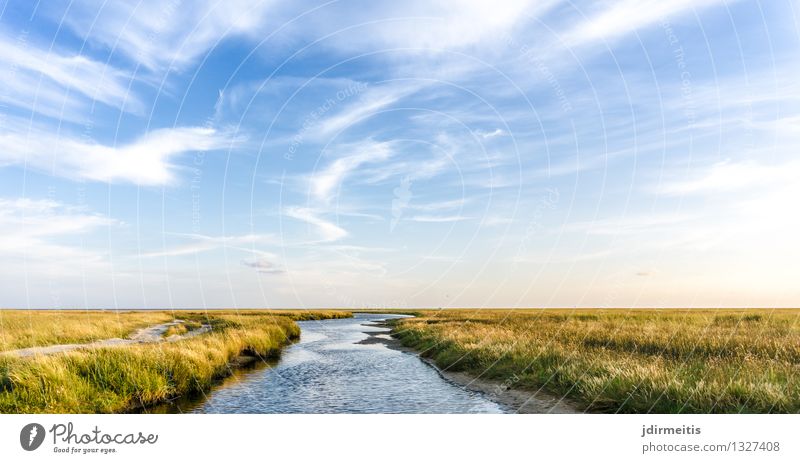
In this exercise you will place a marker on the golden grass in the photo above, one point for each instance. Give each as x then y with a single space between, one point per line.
665 361
28 328
117 379
176 330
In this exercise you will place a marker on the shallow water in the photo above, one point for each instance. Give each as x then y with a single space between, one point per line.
328 372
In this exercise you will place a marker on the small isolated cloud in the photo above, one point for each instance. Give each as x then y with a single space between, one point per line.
492 134
262 265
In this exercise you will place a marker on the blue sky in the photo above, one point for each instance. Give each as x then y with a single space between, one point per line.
399 154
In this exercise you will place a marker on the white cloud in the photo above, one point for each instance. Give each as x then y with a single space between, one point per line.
146 161
624 17
731 176
428 162
422 24
161 34
58 85
440 218
32 228
203 243
44 217
325 183
492 134
370 102
327 230
440 205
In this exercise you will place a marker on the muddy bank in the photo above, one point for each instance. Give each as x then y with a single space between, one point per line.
516 400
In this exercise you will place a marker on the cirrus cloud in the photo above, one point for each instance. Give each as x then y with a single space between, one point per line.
149 160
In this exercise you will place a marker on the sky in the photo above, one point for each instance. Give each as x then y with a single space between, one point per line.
242 154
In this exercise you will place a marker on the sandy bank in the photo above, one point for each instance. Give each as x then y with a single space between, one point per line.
502 392
150 334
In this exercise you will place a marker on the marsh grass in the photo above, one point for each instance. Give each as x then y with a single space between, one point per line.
659 361
176 330
118 379
182 328
28 328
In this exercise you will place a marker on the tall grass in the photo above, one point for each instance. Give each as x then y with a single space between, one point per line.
663 361
28 328
118 379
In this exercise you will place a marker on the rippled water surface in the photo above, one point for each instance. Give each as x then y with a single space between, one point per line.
327 371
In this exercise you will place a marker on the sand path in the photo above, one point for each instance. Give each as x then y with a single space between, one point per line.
148 335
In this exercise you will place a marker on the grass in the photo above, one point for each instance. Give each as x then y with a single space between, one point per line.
176 330
662 361
28 328
182 328
657 361
119 379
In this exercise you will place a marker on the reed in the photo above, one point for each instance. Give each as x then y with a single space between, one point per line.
658 361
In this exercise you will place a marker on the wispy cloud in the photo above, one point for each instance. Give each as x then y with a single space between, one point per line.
327 231
145 161
45 217
325 183
420 25
371 101
440 218
639 223
197 244
59 84
423 163
166 34
33 233
621 18
440 205
730 176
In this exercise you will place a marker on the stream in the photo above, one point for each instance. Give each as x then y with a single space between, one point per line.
328 371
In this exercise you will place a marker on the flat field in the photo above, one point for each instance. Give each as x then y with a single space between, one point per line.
640 361
633 361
